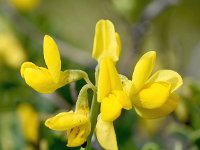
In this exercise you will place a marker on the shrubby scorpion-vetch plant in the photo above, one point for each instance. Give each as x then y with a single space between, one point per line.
151 96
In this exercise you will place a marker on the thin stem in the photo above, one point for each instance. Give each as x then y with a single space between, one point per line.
87 80
93 113
93 118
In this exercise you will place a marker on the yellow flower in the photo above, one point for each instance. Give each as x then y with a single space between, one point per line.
29 120
154 96
11 51
106 41
110 94
110 91
112 98
77 124
25 5
47 80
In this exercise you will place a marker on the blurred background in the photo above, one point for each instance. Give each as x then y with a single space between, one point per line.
170 27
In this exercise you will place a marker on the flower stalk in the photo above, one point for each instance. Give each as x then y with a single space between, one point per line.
93 118
94 111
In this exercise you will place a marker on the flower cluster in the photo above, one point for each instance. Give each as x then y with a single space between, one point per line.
152 96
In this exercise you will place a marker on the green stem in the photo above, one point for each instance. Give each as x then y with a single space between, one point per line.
93 118
85 77
94 111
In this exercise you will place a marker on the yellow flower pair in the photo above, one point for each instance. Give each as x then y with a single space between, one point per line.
106 50
151 96
110 93
47 80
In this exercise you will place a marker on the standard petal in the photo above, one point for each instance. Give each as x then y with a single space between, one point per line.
52 57
105 134
40 80
164 110
66 121
143 69
106 43
108 79
152 95
169 76
78 135
110 108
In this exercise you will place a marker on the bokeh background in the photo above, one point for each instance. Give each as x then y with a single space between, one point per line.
170 27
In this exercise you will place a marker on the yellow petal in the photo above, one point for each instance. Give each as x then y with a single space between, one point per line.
78 135
105 134
52 57
40 80
106 42
108 79
123 99
153 95
169 76
143 69
110 108
26 65
164 110
118 50
66 121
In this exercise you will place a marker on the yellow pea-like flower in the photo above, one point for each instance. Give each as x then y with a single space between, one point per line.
76 124
113 99
152 96
106 41
11 50
29 120
47 80
110 91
